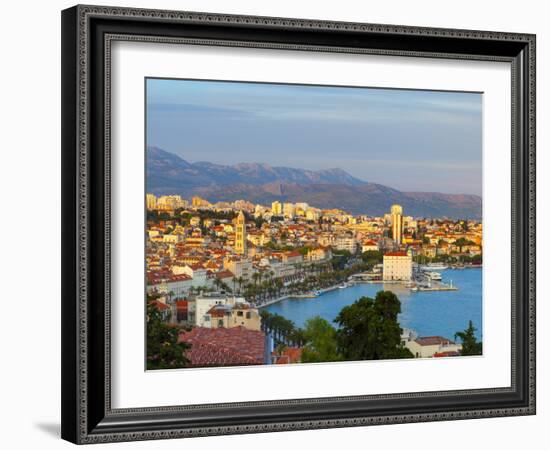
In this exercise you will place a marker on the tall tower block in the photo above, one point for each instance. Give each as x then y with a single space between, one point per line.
397 223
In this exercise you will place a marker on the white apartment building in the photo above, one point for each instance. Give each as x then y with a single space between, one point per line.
427 347
240 267
348 243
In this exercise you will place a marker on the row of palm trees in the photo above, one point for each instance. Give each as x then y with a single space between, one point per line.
307 277
264 286
283 331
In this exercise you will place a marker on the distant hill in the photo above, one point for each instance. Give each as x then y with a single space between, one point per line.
168 173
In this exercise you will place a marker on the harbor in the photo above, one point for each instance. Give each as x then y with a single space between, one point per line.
430 313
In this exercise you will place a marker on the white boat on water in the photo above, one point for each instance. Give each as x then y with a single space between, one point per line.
434 276
343 286
434 266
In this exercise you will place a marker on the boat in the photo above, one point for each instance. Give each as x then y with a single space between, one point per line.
433 266
434 276
343 286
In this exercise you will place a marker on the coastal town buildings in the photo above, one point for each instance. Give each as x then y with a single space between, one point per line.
211 266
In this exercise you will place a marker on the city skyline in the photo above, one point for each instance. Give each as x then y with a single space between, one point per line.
324 127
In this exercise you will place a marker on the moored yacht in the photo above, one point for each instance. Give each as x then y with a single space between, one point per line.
434 276
434 266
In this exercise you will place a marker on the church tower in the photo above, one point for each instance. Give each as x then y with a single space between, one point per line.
240 234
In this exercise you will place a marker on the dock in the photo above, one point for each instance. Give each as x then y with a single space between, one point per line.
443 287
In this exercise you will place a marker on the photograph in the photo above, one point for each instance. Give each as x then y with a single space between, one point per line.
296 223
273 222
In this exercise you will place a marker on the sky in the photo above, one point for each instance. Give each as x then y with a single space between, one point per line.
411 140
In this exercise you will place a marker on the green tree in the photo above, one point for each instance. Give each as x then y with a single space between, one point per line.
163 349
321 341
470 346
369 329
372 256
461 242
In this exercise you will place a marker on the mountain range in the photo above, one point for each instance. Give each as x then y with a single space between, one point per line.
168 173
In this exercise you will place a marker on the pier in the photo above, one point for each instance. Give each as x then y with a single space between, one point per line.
440 287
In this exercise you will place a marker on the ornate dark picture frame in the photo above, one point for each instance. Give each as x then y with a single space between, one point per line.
87 34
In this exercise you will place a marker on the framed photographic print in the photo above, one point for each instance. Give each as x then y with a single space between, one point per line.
283 224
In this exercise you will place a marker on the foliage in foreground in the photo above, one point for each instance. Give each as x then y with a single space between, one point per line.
163 349
321 345
470 346
368 329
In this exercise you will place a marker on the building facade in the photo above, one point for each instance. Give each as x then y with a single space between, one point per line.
397 223
430 346
230 316
397 266
277 208
240 234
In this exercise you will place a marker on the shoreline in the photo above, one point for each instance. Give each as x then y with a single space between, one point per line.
334 287
295 296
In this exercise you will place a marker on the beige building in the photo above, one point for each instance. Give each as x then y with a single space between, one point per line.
277 208
288 210
312 214
241 267
151 201
397 223
343 242
430 346
202 305
397 266
198 202
230 316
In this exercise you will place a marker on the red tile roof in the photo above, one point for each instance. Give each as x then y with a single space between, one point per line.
225 274
289 356
370 242
159 305
396 254
445 354
224 346
433 340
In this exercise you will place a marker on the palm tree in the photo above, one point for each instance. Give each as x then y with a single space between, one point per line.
217 282
255 277
240 282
